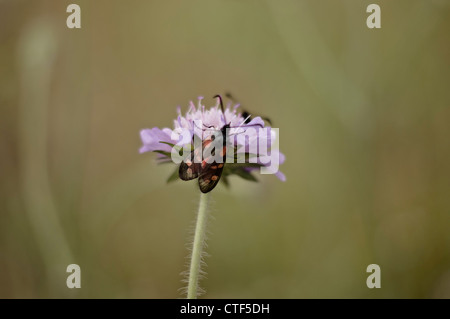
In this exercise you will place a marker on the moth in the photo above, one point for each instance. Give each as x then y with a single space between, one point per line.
208 172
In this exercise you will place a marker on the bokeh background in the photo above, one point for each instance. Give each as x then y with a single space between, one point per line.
364 122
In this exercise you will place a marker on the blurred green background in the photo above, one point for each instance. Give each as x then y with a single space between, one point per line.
364 123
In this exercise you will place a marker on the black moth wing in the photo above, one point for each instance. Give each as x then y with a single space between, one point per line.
190 168
211 172
210 176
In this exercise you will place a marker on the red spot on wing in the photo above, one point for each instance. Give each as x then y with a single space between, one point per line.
206 143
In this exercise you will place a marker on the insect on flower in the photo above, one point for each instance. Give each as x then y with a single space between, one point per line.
208 172
217 140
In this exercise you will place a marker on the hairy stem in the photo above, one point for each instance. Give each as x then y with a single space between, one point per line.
197 248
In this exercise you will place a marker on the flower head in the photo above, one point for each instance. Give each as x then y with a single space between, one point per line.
250 143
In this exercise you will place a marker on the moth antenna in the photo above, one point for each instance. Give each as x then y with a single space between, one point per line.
228 95
221 105
268 120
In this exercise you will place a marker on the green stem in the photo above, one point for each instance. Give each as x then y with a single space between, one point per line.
197 247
